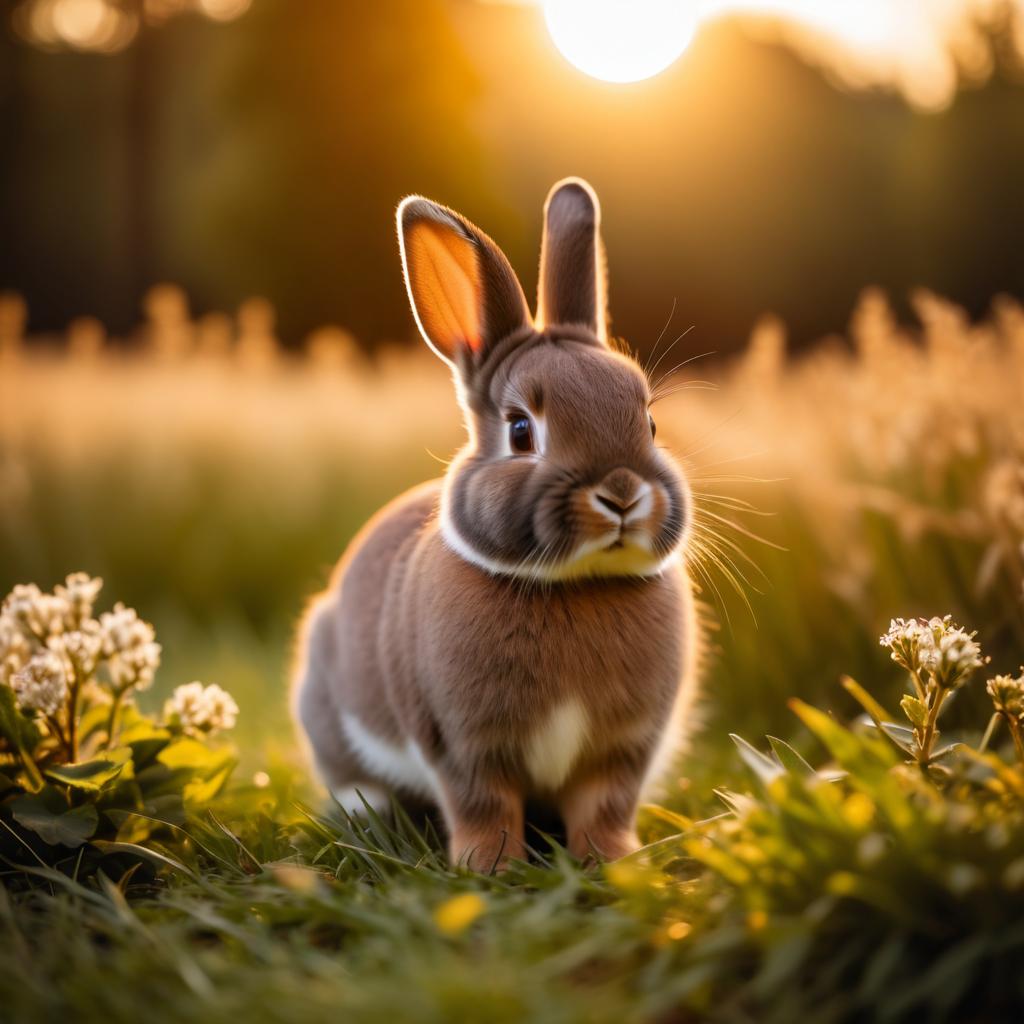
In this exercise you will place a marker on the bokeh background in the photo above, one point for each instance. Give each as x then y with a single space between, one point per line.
257 147
209 376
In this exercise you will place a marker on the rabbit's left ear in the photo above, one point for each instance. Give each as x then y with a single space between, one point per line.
572 287
464 294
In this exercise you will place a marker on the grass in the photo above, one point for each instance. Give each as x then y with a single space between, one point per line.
359 938
214 497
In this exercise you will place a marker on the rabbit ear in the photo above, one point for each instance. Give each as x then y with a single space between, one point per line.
572 277
465 296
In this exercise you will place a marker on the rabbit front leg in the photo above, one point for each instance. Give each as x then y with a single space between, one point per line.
599 809
484 816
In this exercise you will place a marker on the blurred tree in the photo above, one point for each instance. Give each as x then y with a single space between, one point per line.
266 156
316 121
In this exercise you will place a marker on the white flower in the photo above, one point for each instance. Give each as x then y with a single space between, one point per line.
37 615
128 644
81 648
123 629
937 647
904 640
42 685
15 649
135 667
9 632
78 593
201 710
953 654
1007 694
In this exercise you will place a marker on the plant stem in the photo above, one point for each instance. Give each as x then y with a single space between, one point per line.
57 731
915 678
1018 740
927 740
990 731
115 706
76 687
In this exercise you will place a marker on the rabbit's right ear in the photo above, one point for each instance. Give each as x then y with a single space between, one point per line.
572 273
464 294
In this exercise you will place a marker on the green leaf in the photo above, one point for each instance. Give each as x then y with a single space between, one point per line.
146 739
900 735
42 814
198 758
860 755
739 803
875 710
21 734
673 818
141 851
93 720
92 775
760 764
915 710
202 790
789 758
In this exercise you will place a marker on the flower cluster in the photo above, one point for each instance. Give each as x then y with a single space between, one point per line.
71 738
129 647
56 656
935 647
1007 695
200 710
940 657
80 649
904 641
15 650
42 684
78 593
34 612
43 636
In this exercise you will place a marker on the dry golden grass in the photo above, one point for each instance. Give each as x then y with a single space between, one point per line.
209 472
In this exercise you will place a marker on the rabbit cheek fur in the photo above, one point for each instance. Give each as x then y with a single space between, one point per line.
524 627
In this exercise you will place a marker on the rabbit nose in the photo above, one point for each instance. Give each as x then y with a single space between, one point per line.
613 505
620 491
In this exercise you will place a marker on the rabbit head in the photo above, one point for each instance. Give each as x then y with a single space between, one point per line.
561 477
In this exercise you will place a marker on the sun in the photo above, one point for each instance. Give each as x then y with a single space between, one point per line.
621 40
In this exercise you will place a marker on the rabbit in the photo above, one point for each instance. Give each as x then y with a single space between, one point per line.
525 627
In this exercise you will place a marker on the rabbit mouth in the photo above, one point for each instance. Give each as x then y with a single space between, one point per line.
627 538
633 540
629 554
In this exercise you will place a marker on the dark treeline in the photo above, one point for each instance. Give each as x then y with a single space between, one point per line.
266 157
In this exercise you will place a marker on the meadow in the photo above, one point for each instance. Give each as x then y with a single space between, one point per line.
826 864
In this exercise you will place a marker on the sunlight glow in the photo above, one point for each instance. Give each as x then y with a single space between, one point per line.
621 40
920 47
925 49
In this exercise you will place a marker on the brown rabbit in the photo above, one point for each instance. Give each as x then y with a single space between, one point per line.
524 627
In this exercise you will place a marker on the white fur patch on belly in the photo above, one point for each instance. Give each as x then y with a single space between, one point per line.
553 749
405 767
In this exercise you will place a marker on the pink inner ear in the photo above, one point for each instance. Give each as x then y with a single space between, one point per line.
445 280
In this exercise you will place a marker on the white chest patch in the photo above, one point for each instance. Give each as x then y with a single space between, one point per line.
553 749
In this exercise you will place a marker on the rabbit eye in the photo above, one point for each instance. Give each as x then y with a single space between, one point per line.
520 435
654 426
